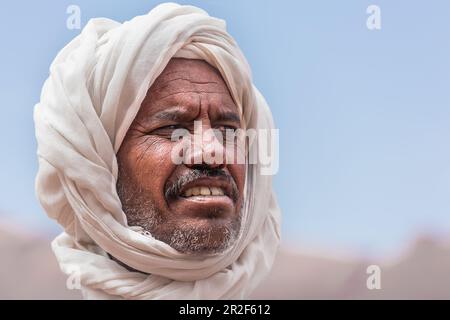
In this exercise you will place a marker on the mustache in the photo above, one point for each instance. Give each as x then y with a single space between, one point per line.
173 189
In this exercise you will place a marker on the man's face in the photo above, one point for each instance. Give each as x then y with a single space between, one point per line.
195 208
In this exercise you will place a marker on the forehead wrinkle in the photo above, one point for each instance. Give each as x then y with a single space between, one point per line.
182 85
199 92
180 92
192 71
165 84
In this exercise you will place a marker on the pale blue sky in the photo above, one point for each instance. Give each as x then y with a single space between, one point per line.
364 116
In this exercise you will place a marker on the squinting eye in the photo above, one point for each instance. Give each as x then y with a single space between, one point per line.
166 130
171 127
226 128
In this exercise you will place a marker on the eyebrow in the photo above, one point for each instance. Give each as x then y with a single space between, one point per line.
175 114
228 116
172 114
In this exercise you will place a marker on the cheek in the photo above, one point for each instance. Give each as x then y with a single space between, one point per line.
147 160
237 171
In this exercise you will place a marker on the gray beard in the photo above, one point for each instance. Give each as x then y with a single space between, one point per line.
142 212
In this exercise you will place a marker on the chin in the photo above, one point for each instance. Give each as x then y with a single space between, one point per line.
201 236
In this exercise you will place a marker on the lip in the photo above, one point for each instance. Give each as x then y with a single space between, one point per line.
201 206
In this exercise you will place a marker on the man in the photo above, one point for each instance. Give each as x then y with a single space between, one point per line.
147 215
194 207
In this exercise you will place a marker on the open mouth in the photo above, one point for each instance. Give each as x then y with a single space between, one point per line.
210 197
203 191
207 187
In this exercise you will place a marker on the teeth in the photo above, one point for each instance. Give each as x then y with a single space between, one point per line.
195 191
204 191
216 191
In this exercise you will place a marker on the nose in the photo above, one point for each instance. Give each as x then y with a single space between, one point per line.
206 150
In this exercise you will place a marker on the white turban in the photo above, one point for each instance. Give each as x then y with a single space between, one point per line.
95 88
